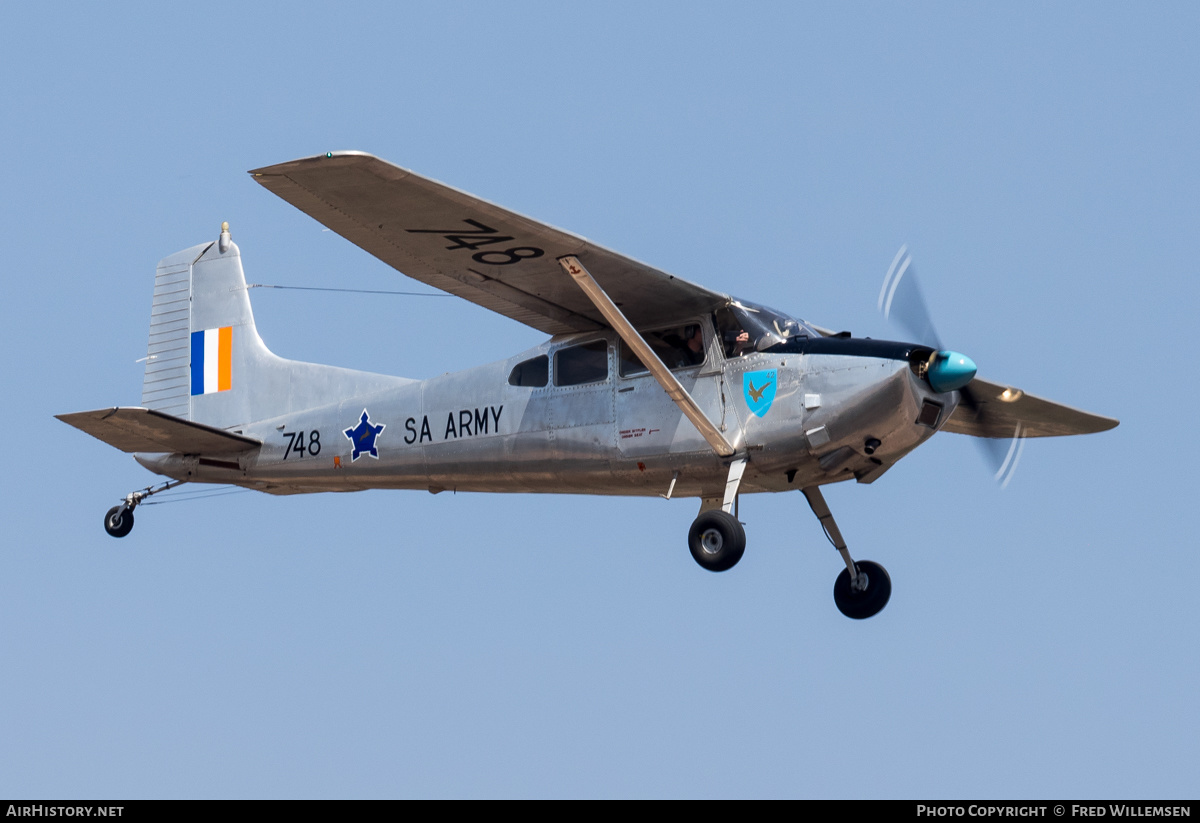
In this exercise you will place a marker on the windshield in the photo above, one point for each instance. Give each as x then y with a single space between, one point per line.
746 327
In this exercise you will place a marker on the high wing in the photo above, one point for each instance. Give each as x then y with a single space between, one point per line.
476 250
992 410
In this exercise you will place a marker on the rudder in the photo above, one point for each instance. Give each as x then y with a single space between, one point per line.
205 361
166 381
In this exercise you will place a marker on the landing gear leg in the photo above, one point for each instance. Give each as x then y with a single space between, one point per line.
863 588
118 521
717 539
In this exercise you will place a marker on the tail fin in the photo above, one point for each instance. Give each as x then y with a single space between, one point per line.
205 361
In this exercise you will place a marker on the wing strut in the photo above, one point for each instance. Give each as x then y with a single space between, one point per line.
662 374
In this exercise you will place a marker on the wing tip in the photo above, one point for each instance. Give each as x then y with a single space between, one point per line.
345 155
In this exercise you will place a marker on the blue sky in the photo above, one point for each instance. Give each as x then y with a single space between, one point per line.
1041 641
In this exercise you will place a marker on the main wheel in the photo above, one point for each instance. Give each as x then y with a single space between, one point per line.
717 540
869 602
119 521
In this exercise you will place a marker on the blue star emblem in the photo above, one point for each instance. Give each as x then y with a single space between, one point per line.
362 437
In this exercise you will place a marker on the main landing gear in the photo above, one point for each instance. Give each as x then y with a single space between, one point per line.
865 594
118 521
863 588
717 541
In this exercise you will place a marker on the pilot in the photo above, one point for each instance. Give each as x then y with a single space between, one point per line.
737 342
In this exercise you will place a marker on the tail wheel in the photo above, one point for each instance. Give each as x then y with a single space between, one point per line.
717 540
119 521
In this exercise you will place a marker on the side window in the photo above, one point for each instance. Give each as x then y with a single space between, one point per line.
533 373
680 347
587 363
735 340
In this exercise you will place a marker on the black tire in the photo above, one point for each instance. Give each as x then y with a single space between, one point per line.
717 540
861 605
119 521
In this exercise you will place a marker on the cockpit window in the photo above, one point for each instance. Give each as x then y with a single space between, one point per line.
746 327
679 347
586 363
533 373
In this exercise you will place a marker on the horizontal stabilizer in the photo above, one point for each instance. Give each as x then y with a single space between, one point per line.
133 429
992 410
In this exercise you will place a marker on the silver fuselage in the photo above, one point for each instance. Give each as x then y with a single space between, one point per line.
472 431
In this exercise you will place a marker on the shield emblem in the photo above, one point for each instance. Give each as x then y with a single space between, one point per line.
758 387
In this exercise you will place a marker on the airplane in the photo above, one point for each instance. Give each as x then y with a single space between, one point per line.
649 385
